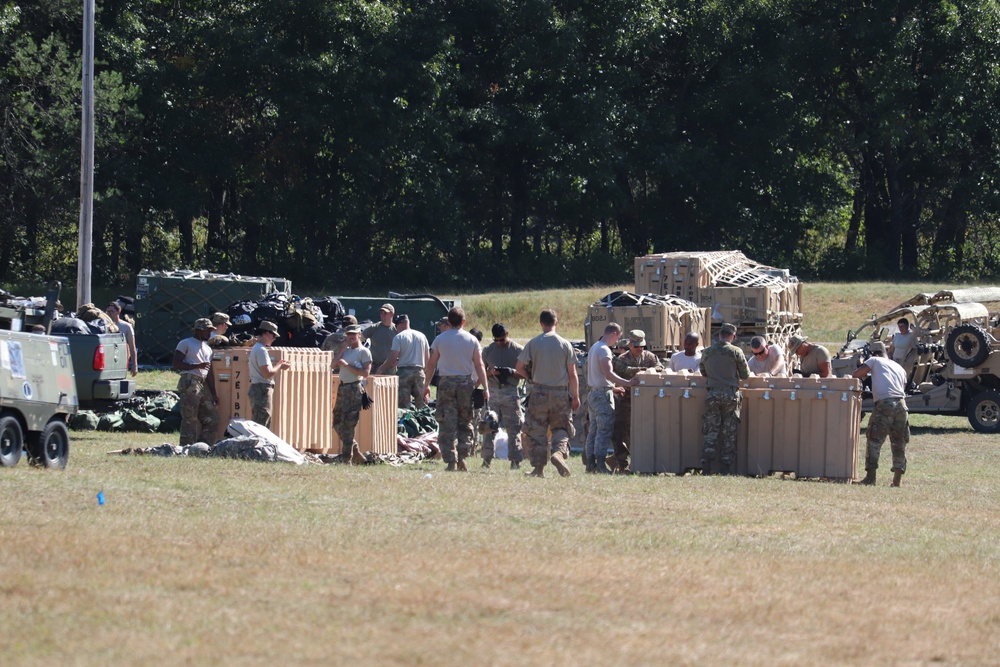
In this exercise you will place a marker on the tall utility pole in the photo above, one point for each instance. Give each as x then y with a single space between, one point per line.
86 161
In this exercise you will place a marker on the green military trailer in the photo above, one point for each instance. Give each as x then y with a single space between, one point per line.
37 392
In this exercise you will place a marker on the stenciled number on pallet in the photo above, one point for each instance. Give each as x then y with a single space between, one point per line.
236 393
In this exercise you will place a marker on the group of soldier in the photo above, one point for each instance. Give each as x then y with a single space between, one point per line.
461 368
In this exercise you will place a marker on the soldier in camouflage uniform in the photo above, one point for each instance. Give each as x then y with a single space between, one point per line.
548 361
634 360
890 416
456 355
500 358
724 365
262 373
354 363
196 386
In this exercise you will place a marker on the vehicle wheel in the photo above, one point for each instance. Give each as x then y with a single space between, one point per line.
984 412
11 441
50 448
967 346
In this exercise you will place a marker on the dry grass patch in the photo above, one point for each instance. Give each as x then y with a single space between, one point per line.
206 561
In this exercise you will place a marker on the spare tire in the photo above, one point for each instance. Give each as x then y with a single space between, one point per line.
967 346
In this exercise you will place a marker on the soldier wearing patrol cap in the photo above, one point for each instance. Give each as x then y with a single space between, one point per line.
262 373
381 335
635 359
196 386
354 363
724 365
500 358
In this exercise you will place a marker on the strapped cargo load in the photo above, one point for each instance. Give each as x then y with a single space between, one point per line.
737 289
665 319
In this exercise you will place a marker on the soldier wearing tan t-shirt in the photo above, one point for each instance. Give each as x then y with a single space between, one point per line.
548 362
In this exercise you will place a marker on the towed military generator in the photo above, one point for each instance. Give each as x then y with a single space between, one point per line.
953 366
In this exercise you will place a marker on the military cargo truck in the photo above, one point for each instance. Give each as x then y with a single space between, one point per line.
37 391
954 365
100 361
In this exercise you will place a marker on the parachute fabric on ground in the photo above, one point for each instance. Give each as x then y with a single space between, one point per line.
283 450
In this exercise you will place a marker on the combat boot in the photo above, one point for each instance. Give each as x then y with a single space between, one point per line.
515 465
452 467
537 471
560 463
897 477
589 462
461 466
357 458
486 463
869 479
600 467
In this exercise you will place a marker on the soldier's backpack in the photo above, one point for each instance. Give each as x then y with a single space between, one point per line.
139 422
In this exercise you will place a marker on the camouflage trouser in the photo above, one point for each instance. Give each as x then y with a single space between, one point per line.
720 424
548 407
507 405
454 415
411 385
260 403
601 410
622 436
346 412
199 416
890 417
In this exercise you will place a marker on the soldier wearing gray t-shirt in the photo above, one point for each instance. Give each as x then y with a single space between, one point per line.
548 362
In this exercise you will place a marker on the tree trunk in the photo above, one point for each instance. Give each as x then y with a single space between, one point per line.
216 241
185 224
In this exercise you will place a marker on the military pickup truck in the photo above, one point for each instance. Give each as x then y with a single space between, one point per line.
99 360
37 391
954 366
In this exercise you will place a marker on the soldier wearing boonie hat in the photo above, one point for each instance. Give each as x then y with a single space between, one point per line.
813 359
262 373
724 365
222 323
634 360
196 386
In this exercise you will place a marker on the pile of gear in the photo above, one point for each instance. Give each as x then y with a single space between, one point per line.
147 412
301 321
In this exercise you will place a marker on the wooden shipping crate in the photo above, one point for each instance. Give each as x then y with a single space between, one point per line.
665 325
230 367
376 430
300 404
742 304
301 414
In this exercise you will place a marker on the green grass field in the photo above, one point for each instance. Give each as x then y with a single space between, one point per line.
222 562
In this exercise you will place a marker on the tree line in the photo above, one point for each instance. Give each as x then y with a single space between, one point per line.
451 143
